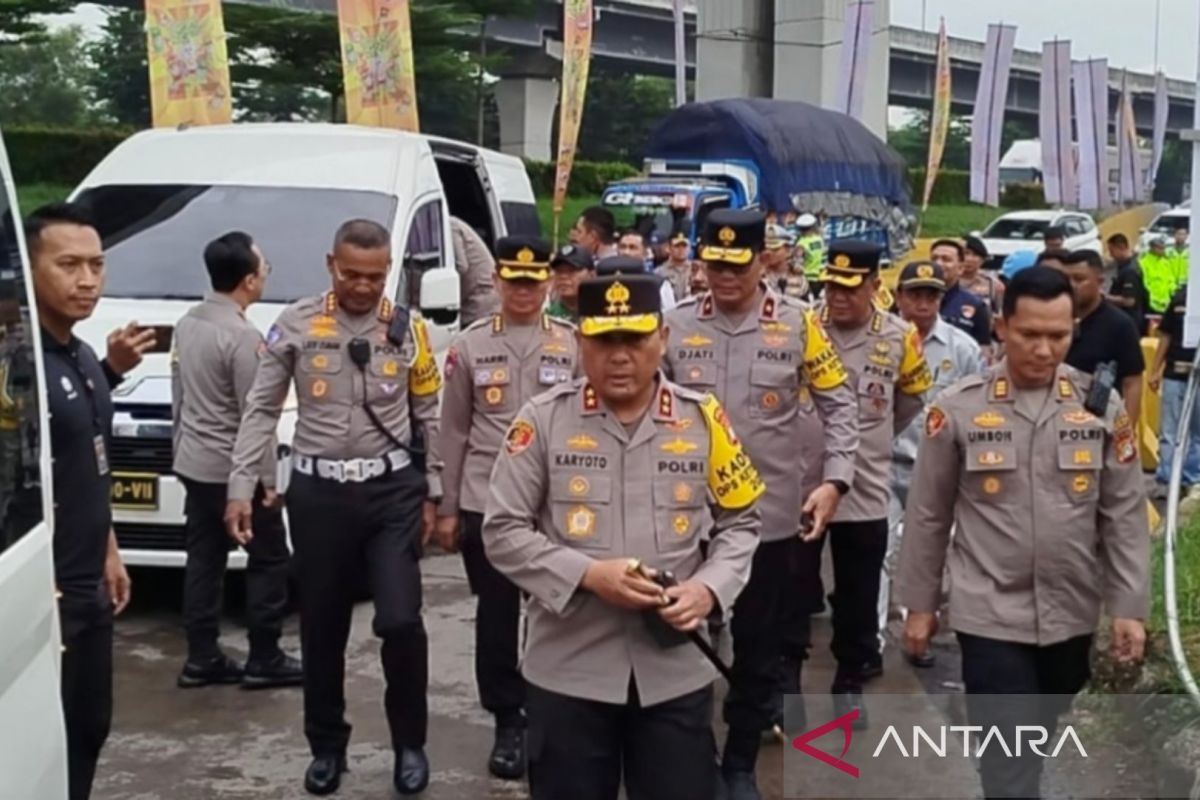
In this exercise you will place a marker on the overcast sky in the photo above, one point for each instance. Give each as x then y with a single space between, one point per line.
1122 30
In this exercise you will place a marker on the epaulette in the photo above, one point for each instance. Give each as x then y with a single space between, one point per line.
961 386
307 306
565 323
690 300
554 393
477 324
684 393
793 302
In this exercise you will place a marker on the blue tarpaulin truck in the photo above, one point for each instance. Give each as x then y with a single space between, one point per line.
783 157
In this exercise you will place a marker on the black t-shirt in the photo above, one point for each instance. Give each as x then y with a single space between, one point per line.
1179 358
80 408
1128 284
1107 335
969 313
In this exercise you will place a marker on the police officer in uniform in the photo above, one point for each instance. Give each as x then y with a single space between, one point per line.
1049 510
768 360
621 465
888 373
492 369
367 386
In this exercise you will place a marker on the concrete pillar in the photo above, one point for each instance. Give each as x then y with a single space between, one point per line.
808 55
733 48
527 105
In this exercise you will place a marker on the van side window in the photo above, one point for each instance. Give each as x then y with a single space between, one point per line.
425 249
20 475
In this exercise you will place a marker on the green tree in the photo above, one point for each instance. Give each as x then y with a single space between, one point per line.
620 112
911 140
19 23
44 82
120 77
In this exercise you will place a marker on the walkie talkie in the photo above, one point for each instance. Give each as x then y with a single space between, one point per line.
663 634
1103 383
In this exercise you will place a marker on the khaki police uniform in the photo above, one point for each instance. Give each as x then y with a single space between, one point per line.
215 358
492 369
889 376
679 276
355 498
770 370
1051 528
573 485
475 267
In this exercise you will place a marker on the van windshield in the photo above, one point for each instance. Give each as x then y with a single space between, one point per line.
154 235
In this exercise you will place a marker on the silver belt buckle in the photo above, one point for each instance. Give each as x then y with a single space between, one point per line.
352 470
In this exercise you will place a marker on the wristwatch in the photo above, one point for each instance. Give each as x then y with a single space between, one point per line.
842 487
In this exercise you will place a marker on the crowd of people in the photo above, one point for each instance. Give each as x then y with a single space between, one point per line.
642 445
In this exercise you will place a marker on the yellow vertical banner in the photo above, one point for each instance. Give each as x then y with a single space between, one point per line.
939 121
377 63
577 57
189 65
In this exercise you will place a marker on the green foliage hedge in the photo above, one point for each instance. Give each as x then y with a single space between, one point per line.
588 178
952 188
48 155
1023 195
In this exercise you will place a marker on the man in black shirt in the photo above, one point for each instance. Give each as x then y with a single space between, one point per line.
961 308
1169 374
1102 332
67 264
1127 292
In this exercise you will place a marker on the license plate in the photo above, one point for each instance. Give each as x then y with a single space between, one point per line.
135 490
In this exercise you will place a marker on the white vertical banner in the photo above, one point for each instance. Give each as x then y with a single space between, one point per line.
680 56
1054 125
988 123
856 52
1091 117
1131 184
1162 108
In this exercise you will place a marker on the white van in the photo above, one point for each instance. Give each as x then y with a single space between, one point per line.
33 755
162 195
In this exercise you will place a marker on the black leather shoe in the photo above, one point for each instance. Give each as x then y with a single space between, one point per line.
845 702
220 669
507 760
740 785
324 774
411 774
282 670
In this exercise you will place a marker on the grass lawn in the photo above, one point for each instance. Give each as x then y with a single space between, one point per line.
33 195
1187 584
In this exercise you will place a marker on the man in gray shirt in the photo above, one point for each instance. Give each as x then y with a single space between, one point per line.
212 368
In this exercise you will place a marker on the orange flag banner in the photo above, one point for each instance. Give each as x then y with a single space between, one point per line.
377 62
189 65
577 58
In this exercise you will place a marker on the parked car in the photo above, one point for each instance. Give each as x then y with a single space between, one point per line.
1025 230
1165 224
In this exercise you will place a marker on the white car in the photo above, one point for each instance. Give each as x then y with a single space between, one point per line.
1165 224
1025 230
162 195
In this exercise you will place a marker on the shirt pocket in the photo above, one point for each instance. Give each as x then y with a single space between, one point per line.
991 471
1079 466
494 390
321 376
874 398
583 511
774 390
699 374
681 515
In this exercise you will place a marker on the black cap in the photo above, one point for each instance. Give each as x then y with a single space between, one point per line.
922 275
574 257
619 303
1054 232
851 261
973 244
523 258
679 236
620 265
734 236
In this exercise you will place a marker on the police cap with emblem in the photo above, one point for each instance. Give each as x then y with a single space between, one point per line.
574 257
850 262
619 304
922 275
679 237
523 258
733 236
777 237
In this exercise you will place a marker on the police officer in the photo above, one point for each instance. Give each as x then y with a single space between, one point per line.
677 269
777 262
613 698
811 243
951 355
882 355
1051 525
768 360
570 266
492 369
367 387
215 358
475 267
961 308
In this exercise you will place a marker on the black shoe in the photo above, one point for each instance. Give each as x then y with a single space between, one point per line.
507 760
324 774
411 774
740 785
873 668
847 701
282 670
924 661
220 669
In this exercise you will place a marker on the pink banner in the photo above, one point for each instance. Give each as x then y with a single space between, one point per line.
988 123
1131 182
1162 109
856 51
1054 126
1091 118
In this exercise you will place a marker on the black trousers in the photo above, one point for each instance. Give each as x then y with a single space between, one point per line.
757 629
87 697
341 532
858 550
497 629
993 667
208 546
581 749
